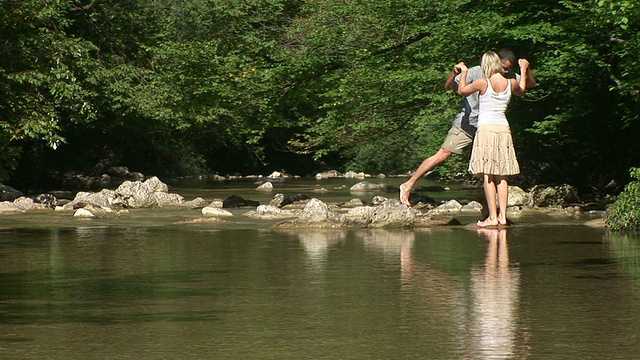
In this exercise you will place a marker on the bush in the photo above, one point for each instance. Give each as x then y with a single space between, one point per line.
624 213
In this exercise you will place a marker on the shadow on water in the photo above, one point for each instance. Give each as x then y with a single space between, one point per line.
73 295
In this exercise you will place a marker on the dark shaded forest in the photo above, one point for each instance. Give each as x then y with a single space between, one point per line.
198 87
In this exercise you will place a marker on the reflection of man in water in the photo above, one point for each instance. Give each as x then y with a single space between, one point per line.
494 291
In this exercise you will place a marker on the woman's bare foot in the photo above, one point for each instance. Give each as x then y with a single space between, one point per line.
503 222
487 222
405 191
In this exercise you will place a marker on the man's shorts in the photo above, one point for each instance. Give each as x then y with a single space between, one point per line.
457 139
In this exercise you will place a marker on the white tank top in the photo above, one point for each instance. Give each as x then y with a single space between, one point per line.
493 105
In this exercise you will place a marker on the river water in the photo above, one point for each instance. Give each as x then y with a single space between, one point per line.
145 286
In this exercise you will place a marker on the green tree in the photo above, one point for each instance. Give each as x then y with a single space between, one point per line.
583 126
41 77
167 86
624 214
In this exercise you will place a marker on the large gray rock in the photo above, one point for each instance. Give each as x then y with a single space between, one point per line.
542 196
331 174
472 206
27 204
83 213
366 186
449 206
20 205
7 193
104 198
354 175
267 186
215 211
217 203
163 199
269 212
316 214
196 203
281 200
430 220
7 207
388 214
517 196
148 194
91 210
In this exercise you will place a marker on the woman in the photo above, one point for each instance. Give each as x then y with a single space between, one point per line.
493 156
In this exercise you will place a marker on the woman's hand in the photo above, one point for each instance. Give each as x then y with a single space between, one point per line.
464 89
524 74
524 64
458 68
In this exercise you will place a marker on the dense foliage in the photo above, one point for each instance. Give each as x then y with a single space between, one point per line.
624 214
183 87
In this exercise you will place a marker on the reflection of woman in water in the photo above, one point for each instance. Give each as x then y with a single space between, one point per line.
494 291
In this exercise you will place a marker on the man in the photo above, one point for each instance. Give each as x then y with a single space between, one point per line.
465 123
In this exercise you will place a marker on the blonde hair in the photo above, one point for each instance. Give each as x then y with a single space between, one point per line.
491 64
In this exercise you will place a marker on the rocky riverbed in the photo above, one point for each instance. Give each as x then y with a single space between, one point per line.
304 210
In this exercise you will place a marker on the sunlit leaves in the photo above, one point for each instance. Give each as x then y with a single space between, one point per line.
337 78
43 69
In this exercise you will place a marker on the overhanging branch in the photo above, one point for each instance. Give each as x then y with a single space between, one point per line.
84 7
409 41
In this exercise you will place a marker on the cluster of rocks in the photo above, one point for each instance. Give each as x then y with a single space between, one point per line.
278 176
299 210
152 193
388 212
380 213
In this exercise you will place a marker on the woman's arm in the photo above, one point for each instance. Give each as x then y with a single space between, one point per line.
521 86
531 78
463 88
452 76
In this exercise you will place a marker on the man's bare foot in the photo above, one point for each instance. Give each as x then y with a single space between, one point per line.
487 222
405 191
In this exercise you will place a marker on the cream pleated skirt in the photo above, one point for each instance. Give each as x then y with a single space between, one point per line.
493 151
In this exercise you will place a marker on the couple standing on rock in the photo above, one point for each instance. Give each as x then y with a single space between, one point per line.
487 90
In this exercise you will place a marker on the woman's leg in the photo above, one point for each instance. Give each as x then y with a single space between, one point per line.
490 195
503 196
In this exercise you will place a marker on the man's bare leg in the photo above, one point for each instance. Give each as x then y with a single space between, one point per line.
427 165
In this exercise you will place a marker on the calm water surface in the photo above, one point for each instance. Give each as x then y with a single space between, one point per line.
142 286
